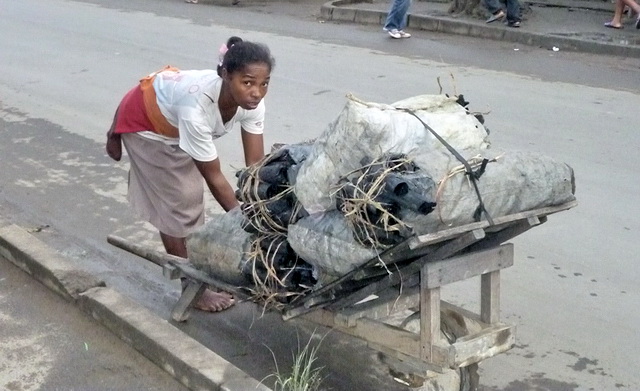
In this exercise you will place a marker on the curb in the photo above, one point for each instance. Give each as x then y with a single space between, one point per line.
188 361
42 263
343 10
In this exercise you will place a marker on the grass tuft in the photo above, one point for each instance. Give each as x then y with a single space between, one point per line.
304 375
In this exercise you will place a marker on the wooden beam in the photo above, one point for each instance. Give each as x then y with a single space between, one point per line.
373 331
499 234
445 234
444 251
157 257
405 363
193 292
447 271
429 322
170 272
490 297
390 301
191 273
489 342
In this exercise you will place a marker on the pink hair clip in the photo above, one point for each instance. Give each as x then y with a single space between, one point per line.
221 52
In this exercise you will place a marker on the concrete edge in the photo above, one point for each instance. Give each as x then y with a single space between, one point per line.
42 263
342 10
188 361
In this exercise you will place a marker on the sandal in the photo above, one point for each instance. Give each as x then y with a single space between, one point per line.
613 26
638 22
191 1
497 16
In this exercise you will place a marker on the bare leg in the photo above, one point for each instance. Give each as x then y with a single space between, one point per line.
209 301
632 4
617 14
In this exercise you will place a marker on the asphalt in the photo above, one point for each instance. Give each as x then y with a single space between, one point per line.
558 25
188 361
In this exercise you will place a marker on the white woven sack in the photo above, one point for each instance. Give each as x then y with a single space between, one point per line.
369 130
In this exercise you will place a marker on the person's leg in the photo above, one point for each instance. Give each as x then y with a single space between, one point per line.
403 10
635 7
494 7
174 246
632 4
397 16
513 11
162 180
209 301
616 22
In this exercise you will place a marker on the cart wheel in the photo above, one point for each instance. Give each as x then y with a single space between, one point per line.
469 378
452 327
464 379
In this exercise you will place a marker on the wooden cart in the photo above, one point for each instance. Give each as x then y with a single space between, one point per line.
366 302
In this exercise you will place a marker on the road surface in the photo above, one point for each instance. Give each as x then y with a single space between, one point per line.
66 64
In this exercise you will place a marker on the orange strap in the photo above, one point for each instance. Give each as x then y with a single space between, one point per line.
159 122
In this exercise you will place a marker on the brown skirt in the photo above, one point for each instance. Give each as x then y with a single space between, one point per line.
165 187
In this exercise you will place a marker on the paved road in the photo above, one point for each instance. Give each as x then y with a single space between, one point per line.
571 293
49 344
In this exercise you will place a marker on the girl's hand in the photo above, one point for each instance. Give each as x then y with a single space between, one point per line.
218 184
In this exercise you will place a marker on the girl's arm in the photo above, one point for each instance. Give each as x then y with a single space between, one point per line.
218 184
253 146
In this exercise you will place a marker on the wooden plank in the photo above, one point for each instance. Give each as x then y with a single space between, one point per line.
497 236
487 343
375 332
321 317
429 322
465 313
170 272
446 250
405 363
388 302
447 271
192 273
322 296
490 297
392 302
193 292
417 246
157 257
427 239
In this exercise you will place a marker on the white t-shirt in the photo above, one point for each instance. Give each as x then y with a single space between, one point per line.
189 101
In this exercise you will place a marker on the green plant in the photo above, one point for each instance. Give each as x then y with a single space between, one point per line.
304 375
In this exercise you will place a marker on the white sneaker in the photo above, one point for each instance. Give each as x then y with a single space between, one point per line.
395 34
404 34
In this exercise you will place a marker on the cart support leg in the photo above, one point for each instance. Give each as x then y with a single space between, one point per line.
490 297
429 319
191 294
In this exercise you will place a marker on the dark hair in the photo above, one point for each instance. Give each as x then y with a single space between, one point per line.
242 53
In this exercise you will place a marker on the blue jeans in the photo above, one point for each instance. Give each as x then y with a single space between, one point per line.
397 17
513 9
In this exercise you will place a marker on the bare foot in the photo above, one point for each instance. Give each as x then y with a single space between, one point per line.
214 301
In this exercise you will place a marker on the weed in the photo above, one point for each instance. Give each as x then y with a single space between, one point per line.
304 375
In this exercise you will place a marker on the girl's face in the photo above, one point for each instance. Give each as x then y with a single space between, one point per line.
249 85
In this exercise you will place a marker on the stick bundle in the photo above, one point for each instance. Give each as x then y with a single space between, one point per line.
375 197
269 206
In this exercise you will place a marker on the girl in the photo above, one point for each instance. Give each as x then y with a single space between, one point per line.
168 124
